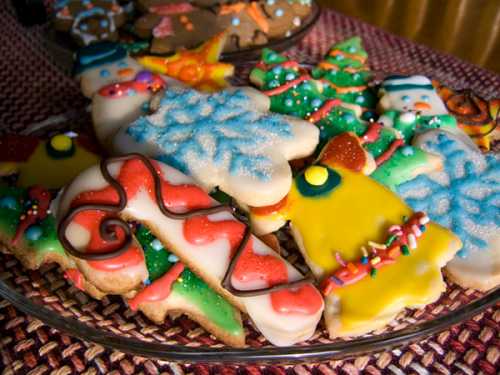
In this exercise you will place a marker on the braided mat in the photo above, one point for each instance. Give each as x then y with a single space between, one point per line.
34 90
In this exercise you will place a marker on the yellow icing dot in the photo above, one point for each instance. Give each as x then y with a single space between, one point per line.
316 175
61 142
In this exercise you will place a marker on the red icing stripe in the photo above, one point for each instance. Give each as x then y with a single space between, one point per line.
389 152
353 272
324 110
159 290
373 132
286 86
75 276
133 176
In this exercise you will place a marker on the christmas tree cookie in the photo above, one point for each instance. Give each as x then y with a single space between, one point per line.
345 74
294 92
27 228
188 293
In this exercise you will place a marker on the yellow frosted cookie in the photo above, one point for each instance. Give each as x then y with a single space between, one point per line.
373 255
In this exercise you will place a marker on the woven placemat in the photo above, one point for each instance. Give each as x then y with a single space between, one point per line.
33 89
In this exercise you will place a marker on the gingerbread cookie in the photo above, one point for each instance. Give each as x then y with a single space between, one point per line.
90 21
478 117
293 91
50 163
363 244
281 18
463 197
101 64
174 25
245 24
225 139
204 235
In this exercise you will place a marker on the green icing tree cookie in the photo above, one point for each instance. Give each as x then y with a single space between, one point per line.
346 75
38 242
188 285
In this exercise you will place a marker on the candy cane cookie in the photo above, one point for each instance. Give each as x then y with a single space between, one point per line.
93 211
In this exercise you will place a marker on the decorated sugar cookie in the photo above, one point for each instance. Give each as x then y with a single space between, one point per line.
199 68
27 228
188 293
478 117
90 21
119 104
293 91
464 197
50 163
174 25
101 64
345 75
410 104
245 24
283 304
363 243
226 139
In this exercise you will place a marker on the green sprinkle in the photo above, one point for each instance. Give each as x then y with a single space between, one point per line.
405 250
391 240
373 272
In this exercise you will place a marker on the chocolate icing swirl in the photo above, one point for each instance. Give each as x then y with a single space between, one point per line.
468 108
108 226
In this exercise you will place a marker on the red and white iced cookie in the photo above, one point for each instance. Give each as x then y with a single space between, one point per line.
92 214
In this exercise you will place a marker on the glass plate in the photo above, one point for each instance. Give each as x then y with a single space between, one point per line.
46 295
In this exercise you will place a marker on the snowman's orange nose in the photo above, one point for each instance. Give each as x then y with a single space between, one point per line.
125 72
420 106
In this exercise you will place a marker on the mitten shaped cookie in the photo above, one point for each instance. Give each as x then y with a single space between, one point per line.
90 21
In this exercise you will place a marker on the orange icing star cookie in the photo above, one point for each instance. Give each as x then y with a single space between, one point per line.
199 68
358 235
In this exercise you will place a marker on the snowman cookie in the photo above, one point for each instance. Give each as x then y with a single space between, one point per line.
410 105
226 139
90 21
203 234
101 64
464 197
362 243
119 104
